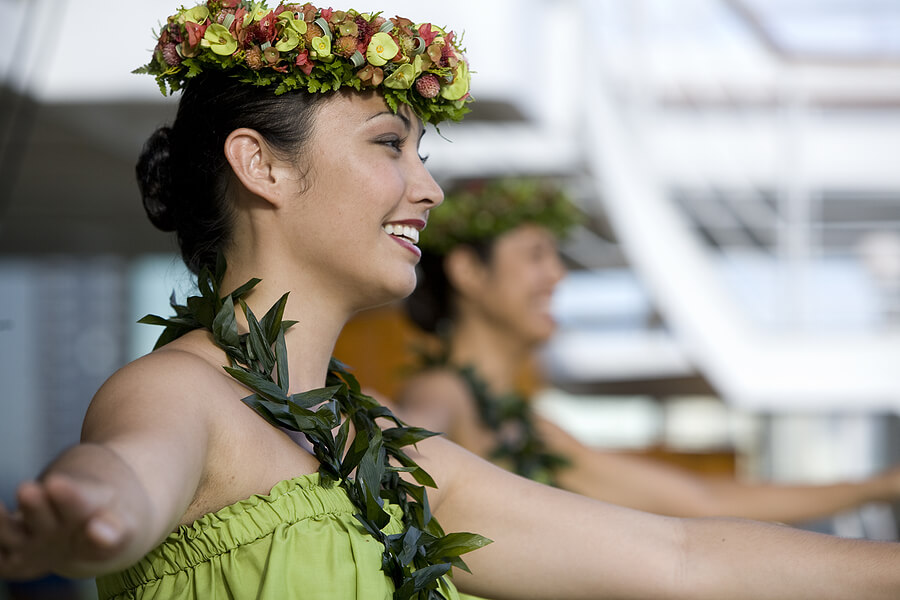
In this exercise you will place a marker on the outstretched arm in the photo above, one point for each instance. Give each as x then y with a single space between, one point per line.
552 543
653 486
106 502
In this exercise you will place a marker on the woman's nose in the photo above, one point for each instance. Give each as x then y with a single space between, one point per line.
426 189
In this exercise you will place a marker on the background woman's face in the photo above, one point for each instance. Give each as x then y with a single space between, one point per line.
363 198
522 273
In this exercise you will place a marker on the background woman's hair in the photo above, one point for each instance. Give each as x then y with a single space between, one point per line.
182 172
430 306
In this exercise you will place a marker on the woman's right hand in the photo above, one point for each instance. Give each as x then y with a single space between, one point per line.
63 524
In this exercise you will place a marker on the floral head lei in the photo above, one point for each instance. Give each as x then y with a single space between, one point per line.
298 46
482 210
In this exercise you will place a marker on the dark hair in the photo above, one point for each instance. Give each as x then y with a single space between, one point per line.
431 304
182 171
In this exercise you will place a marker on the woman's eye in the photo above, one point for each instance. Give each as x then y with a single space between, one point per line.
394 143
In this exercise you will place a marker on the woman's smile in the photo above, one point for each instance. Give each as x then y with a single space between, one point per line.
406 233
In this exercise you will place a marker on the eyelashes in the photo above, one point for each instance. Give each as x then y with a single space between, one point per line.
396 144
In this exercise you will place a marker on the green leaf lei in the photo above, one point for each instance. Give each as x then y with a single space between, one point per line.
416 559
510 416
511 412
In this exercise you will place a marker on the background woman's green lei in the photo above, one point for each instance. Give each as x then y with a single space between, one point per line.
509 416
416 559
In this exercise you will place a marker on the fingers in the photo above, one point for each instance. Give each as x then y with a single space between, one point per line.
12 531
73 502
86 508
14 539
38 514
60 522
105 532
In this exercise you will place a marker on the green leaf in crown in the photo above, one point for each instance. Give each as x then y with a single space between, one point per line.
299 46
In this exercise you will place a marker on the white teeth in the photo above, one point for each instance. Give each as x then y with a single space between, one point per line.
406 231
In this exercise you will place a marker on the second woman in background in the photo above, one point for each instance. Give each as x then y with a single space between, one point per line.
487 275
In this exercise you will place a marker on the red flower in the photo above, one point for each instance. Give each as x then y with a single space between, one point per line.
304 63
326 13
309 12
404 25
448 55
267 29
195 33
428 86
237 27
370 75
427 34
364 35
170 55
229 3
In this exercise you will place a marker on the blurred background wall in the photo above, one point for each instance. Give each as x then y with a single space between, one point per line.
733 304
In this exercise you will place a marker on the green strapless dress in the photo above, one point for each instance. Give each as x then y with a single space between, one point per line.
299 542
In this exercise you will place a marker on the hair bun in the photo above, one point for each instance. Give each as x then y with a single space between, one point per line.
154 176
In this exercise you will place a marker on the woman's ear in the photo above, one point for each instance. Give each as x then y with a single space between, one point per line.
465 271
253 163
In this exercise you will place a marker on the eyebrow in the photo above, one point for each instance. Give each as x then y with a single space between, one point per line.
407 123
404 118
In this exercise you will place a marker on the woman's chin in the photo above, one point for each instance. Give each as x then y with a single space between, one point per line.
543 330
390 292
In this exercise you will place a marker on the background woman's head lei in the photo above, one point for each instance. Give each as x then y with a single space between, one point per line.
299 46
483 209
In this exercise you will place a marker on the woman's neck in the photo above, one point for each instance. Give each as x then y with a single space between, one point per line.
496 354
310 341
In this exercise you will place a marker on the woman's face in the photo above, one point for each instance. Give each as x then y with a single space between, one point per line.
363 198
521 274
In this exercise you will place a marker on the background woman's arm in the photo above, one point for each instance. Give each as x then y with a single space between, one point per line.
653 486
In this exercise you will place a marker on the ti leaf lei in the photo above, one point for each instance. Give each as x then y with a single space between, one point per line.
416 559
511 412
509 416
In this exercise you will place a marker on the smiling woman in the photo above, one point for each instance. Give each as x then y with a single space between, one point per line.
239 460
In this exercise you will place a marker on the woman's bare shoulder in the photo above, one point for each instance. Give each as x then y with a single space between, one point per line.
439 385
176 377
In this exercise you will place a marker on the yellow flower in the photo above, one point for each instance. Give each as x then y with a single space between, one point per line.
381 49
402 78
321 47
256 13
290 39
460 85
219 40
349 28
297 25
198 14
419 65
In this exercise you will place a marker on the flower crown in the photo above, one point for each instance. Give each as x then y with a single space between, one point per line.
482 210
298 46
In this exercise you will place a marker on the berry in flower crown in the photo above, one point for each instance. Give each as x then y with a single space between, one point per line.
298 46
481 210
